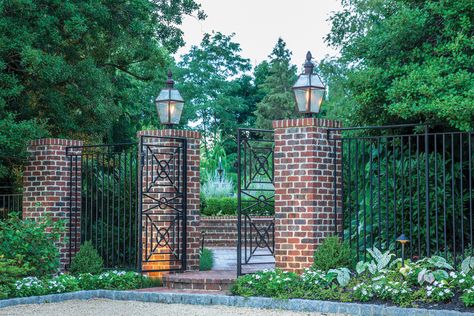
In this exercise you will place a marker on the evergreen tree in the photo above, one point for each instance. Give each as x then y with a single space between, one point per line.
278 102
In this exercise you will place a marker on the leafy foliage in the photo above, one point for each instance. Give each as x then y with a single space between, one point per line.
210 78
404 61
83 69
31 242
206 260
389 282
332 254
10 271
86 260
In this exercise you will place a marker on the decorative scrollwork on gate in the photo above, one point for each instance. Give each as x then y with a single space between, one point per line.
256 225
163 203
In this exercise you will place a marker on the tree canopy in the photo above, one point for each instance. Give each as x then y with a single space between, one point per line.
212 81
404 61
77 68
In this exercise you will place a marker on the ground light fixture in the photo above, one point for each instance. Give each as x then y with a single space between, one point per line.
402 239
169 103
309 89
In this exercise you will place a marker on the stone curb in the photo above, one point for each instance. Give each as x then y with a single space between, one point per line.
238 301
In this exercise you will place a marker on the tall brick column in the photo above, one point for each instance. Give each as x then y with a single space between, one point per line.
46 183
304 190
193 199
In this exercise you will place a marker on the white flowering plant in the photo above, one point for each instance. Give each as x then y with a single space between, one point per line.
113 280
278 283
426 281
439 291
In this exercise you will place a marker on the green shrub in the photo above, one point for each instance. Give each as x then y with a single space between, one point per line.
29 240
10 271
219 206
206 260
332 254
87 260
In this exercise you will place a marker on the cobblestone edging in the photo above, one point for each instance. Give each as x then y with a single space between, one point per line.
212 299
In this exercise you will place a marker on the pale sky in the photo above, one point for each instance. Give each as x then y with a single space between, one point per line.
258 23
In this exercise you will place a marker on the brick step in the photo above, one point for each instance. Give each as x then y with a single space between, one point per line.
200 281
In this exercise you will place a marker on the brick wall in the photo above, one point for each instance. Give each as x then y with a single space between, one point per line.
221 231
304 190
193 196
46 188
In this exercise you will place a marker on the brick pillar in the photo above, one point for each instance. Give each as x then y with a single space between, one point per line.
193 198
46 183
304 190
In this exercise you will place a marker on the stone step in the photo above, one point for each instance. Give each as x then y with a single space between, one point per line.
201 281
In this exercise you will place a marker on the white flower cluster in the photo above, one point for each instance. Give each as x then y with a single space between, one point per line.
28 282
439 291
365 291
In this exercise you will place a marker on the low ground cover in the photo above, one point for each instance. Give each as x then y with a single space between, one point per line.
429 282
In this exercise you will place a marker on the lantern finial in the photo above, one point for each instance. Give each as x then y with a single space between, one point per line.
308 65
170 81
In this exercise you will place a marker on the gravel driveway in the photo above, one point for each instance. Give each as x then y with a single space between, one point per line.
104 307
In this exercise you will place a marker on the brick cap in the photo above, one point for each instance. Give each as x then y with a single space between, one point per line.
308 121
56 141
171 133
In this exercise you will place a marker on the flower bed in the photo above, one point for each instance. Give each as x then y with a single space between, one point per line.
430 282
112 280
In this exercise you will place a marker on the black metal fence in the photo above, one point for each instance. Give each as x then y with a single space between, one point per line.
10 201
417 184
104 199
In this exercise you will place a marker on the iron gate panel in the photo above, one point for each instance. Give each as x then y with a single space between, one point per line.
103 183
256 200
163 203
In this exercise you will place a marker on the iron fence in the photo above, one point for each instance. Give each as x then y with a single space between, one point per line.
417 184
104 201
10 201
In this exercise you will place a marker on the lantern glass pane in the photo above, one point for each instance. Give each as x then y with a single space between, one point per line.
303 81
176 96
302 98
176 109
162 109
163 96
316 99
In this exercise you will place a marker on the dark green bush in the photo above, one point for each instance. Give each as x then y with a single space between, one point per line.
29 240
10 271
332 254
87 260
219 206
206 260
228 206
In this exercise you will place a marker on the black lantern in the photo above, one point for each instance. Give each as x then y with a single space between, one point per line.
309 89
169 103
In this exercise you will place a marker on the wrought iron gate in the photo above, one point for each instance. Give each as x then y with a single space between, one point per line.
256 200
103 183
163 203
